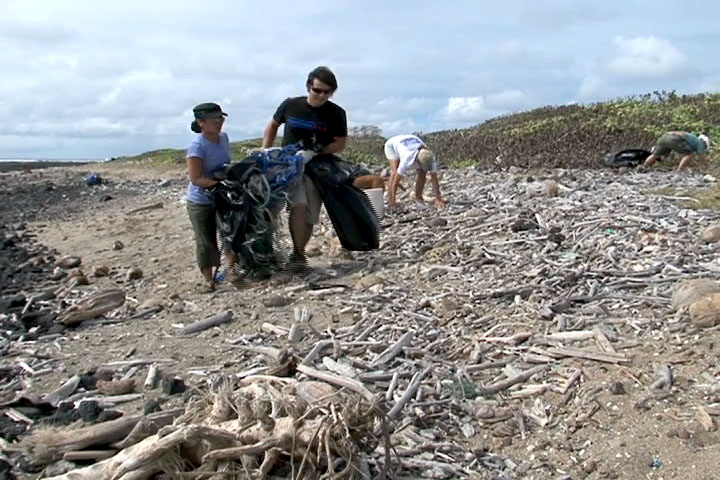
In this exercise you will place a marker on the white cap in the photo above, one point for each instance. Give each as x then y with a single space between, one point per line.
706 140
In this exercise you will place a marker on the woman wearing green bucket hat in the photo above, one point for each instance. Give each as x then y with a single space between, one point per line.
208 153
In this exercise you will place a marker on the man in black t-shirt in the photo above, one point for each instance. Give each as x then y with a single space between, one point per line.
321 127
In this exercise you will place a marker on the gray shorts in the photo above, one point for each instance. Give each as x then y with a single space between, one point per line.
303 191
671 142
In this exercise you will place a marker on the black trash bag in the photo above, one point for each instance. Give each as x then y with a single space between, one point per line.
631 157
349 209
244 205
336 171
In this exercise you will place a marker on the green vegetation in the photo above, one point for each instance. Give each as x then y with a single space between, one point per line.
576 136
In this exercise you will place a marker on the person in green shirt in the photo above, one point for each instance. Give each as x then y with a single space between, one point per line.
688 144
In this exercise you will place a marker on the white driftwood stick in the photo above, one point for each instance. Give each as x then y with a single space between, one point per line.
54 398
393 385
209 322
602 340
509 382
409 393
326 291
319 346
587 355
337 380
393 350
138 362
295 334
274 329
571 336
572 380
111 400
340 368
152 376
88 455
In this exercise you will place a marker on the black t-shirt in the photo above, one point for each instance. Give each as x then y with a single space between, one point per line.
310 125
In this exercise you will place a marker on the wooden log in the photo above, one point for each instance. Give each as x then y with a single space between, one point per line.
393 385
602 340
274 329
51 444
66 389
337 380
295 334
208 322
409 393
509 382
152 377
85 455
319 347
393 350
587 355
570 336
93 306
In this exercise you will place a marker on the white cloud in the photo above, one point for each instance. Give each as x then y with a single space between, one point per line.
645 57
478 108
465 108
138 67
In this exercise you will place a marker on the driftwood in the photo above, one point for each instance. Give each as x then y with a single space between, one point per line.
93 306
409 393
514 380
209 322
348 383
64 391
393 350
143 208
152 376
53 443
586 354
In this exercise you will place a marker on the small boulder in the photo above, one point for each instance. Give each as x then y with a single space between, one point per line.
690 291
101 271
436 222
711 234
118 245
277 301
134 273
705 312
173 385
68 262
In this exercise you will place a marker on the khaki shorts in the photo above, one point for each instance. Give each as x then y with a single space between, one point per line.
671 142
304 192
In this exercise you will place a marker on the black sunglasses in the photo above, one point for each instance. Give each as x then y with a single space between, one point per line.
321 91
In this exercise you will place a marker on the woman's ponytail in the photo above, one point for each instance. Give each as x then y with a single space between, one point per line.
195 127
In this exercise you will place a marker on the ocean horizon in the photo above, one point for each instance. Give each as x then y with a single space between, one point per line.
52 160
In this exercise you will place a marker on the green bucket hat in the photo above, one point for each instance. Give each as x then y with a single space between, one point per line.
208 110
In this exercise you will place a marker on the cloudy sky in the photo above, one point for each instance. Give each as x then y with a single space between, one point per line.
93 79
